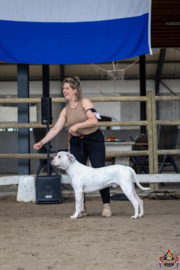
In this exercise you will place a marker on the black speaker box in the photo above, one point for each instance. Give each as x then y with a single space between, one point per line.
48 189
46 111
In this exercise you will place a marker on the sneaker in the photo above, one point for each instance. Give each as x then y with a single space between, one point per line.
106 212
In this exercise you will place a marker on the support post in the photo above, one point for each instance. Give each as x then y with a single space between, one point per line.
158 78
62 79
62 72
150 135
23 117
142 71
45 73
154 132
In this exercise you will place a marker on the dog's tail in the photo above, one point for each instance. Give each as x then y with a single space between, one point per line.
138 184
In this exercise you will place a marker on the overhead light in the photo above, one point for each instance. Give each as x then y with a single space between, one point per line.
172 23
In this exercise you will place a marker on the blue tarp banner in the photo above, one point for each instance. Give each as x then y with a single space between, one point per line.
73 31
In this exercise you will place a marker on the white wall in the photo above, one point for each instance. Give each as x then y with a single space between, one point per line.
120 111
91 87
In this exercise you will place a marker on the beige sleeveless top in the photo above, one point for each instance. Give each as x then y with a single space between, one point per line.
78 115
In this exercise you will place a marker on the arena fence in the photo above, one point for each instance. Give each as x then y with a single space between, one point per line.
151 124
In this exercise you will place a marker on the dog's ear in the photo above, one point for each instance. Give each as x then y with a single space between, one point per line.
71 157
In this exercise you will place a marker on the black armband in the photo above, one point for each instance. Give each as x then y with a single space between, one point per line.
96 113
92 110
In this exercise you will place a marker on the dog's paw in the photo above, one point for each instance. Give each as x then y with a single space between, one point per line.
140 215
134 217
76 216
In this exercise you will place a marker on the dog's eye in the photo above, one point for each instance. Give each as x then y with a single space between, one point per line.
59 156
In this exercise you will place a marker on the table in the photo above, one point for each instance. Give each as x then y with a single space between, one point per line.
116 147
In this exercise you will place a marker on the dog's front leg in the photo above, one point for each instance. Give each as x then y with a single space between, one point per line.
82 202
78 198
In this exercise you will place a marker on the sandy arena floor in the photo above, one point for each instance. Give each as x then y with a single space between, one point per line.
43 237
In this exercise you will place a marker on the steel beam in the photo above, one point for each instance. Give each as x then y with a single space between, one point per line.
168 88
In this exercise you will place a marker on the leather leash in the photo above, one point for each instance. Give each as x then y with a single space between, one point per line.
81 136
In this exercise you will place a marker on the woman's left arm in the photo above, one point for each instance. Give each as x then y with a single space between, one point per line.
90 122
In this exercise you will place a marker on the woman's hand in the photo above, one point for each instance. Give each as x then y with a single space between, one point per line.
53 131
38 145
73 129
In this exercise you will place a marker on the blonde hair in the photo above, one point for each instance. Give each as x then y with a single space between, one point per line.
74 83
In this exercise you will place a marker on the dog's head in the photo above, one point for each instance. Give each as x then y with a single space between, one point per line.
63 160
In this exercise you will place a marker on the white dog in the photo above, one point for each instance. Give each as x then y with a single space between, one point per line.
87 179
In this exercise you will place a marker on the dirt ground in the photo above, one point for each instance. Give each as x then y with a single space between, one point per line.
43 237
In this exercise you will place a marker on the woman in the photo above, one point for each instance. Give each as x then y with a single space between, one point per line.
80 116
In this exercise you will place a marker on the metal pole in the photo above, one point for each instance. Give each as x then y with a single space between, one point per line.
48 154
45 70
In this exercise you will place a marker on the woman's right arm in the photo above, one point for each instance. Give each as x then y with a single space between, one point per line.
53 131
